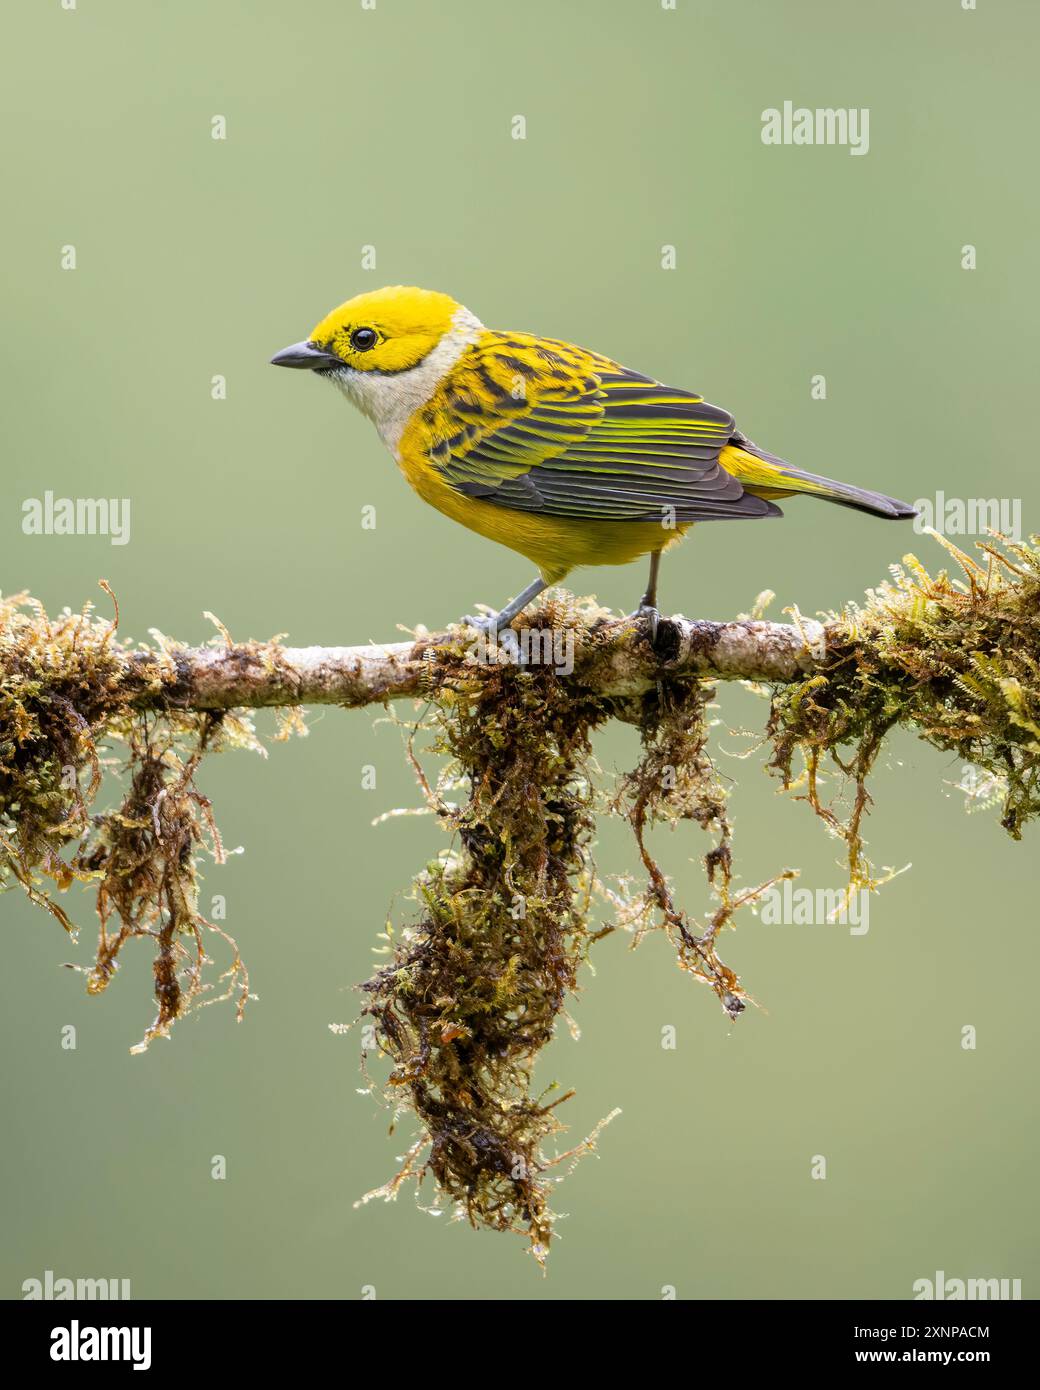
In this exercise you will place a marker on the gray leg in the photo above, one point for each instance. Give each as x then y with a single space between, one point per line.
497 621
649 599
648 603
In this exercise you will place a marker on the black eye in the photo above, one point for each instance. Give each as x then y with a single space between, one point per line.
363 339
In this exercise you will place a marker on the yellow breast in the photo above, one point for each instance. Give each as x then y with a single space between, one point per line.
554 544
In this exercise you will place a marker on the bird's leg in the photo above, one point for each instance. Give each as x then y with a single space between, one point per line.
649 599
648 603
494 623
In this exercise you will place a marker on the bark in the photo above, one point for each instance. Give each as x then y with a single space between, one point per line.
616 660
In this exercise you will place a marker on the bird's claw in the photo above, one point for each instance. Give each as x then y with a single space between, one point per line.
500 637
647 613
486 623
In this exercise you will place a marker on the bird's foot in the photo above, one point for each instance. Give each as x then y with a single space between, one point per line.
498 639
492 624
646 612
487 623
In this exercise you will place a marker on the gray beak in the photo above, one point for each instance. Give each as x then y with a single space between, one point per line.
305 355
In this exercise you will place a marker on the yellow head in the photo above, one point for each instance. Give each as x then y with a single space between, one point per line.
387 349
388 330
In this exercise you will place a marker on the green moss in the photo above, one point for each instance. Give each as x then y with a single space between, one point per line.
65 705
476 986
955 659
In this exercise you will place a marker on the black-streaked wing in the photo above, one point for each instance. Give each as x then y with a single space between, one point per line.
622 449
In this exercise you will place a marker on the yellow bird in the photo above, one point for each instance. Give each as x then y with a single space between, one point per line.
553 450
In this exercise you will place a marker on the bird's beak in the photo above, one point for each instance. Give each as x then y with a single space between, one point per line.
305 355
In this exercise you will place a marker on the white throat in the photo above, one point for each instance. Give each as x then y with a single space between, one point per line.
391 399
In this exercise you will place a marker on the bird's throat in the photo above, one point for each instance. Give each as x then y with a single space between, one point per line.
390 399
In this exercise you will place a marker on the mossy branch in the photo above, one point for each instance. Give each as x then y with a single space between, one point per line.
476 984
616 659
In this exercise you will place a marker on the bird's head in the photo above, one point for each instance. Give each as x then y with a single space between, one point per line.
387 349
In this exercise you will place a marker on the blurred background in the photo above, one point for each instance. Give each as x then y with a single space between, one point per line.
390 127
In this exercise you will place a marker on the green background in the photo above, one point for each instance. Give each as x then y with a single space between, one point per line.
199 257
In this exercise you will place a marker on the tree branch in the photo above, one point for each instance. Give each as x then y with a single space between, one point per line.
619 661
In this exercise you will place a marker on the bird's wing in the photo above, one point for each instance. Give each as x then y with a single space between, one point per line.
608 445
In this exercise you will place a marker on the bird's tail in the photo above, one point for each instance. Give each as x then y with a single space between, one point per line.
765 475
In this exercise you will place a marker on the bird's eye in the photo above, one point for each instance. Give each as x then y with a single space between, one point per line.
363 338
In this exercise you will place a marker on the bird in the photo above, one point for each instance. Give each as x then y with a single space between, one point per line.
555 451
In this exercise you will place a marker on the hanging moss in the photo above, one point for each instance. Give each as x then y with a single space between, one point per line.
66 710
476 985
955 659
473 989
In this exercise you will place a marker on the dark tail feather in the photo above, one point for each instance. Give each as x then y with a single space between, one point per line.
860 499
781 479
